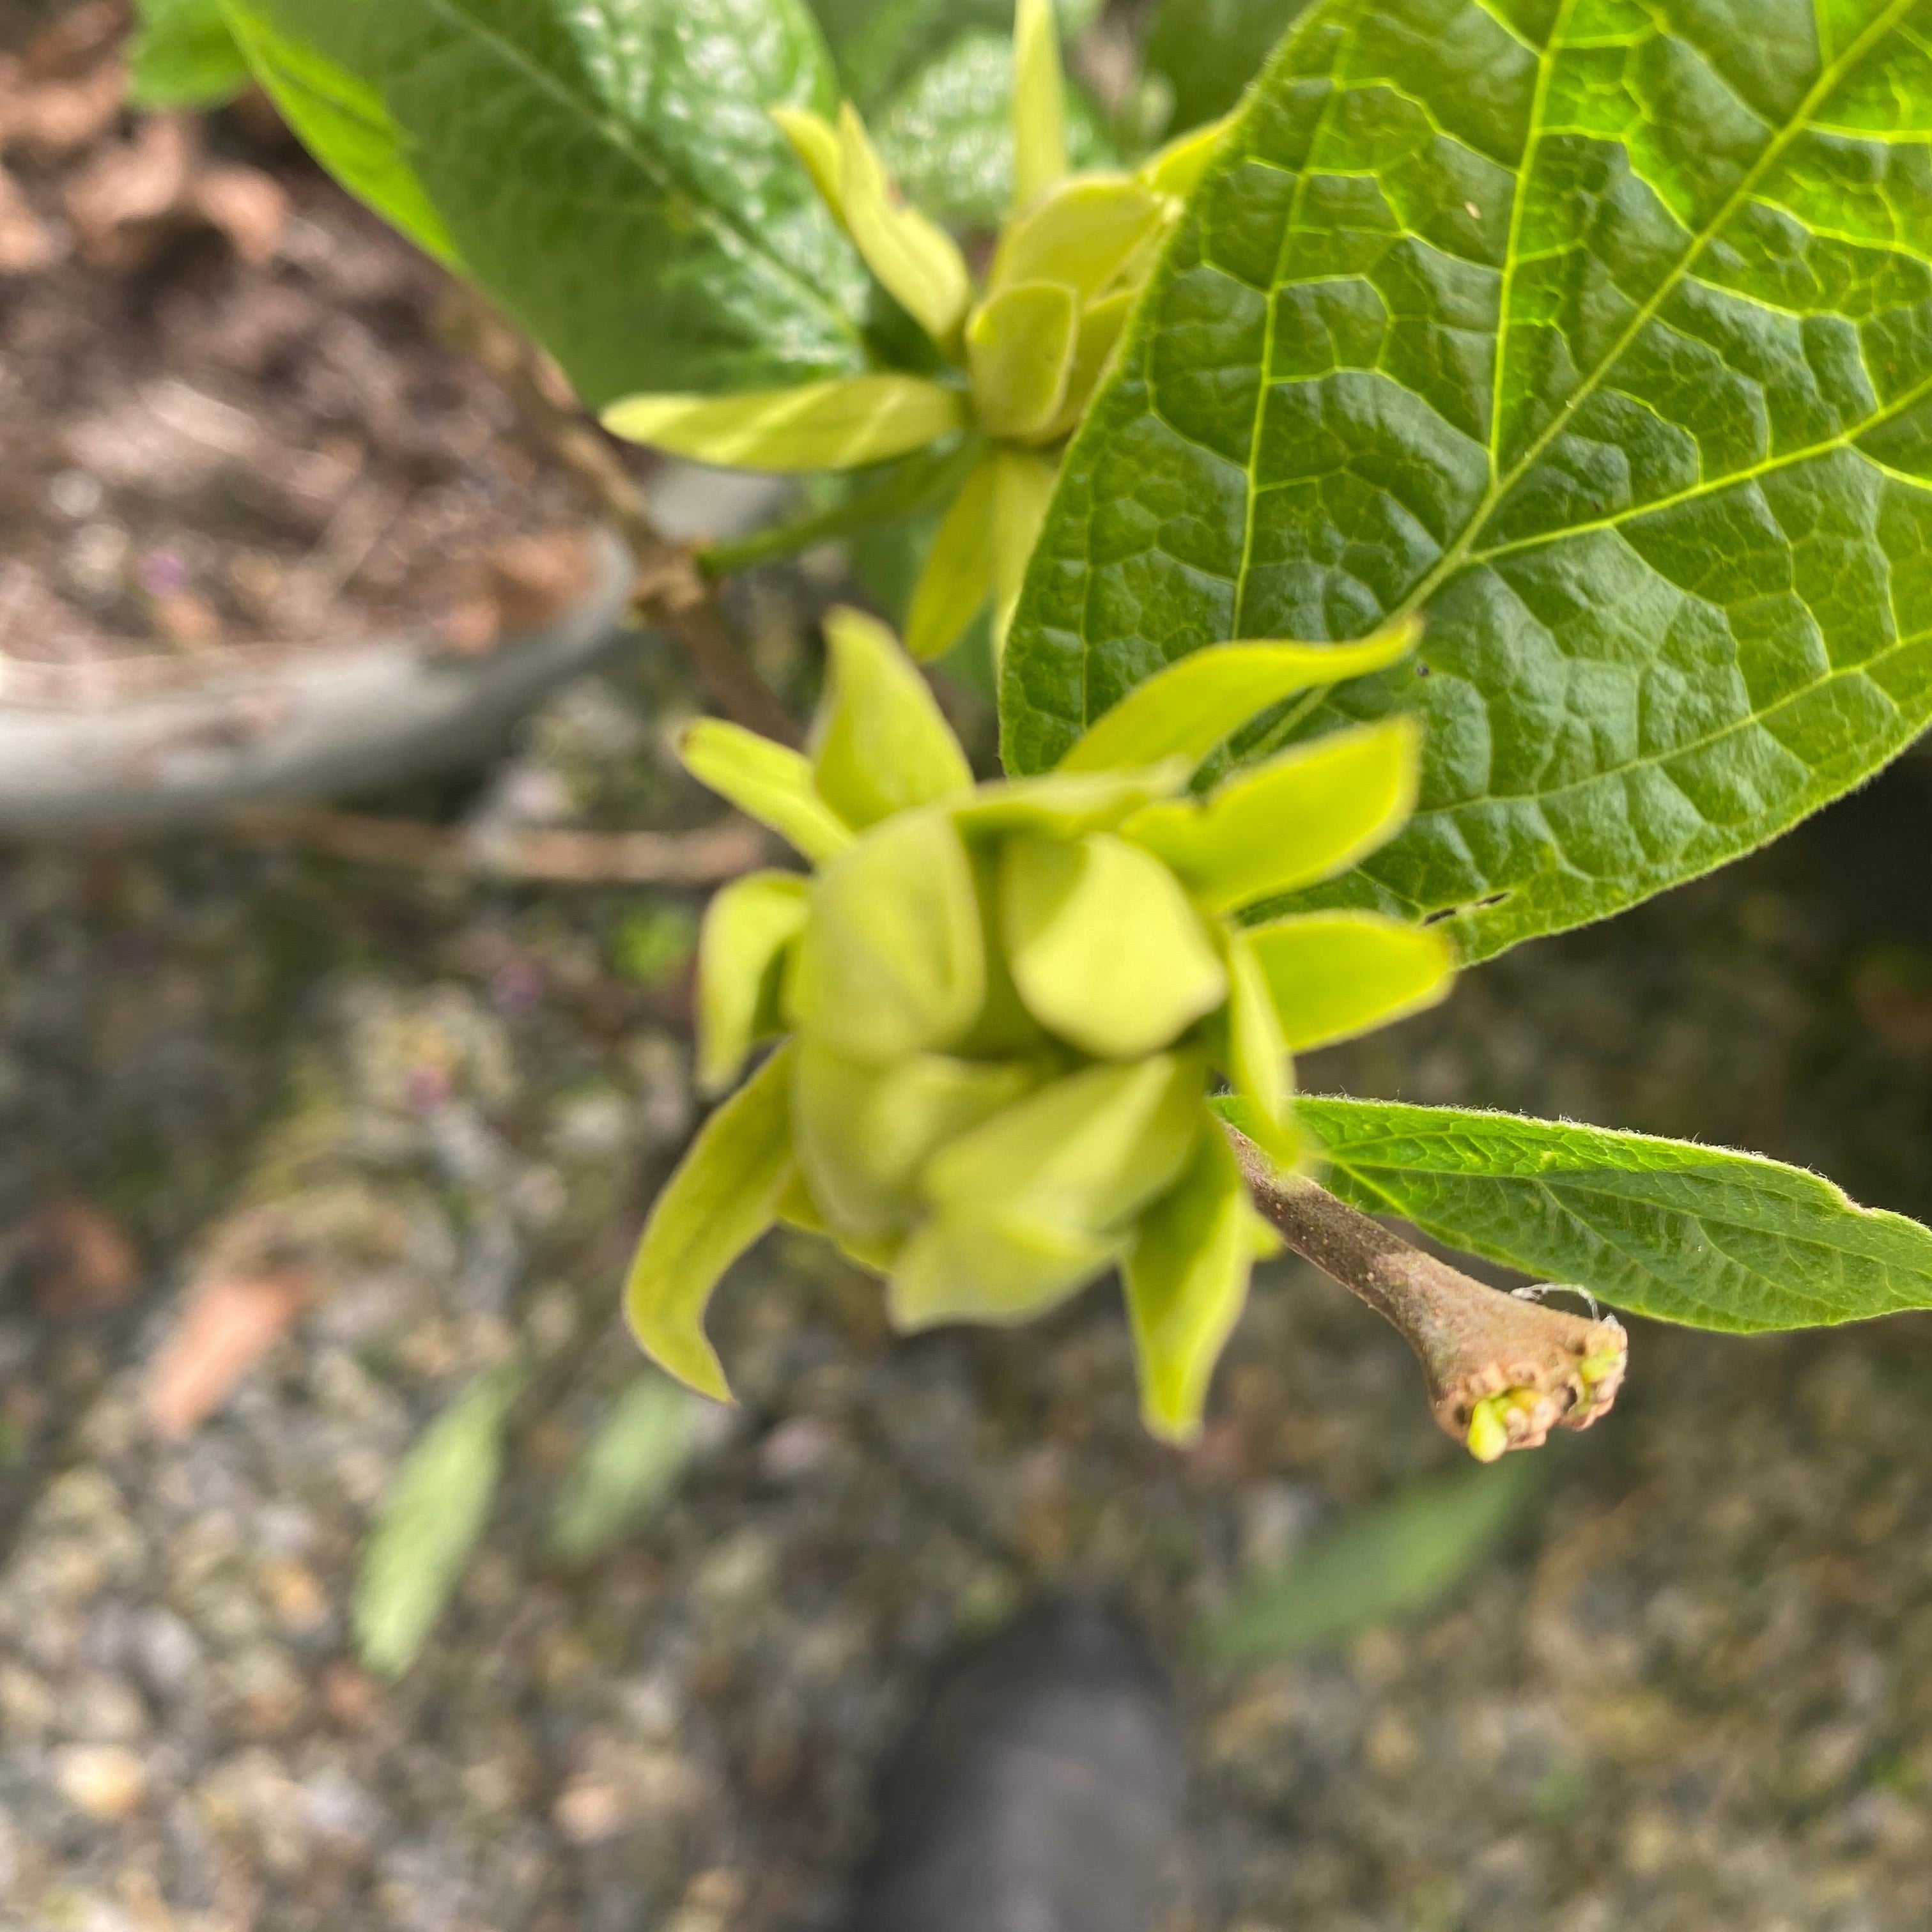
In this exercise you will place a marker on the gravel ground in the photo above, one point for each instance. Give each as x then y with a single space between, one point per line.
1695 1691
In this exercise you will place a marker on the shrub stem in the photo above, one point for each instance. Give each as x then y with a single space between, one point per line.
1502 1372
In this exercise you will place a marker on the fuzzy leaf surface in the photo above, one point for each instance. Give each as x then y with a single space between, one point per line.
1600 333
1687 1233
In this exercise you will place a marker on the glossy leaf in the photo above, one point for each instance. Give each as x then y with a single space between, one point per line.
1600 335
1332 975
184 55
917 261
1105 948
892 961
1208 51
880 45
836 425
1039 108
882 745
1393 1559
611 174
766 780
431 1516
1187 708
957 577
1187 1279
723 1195
628 1468
315 64
749 927
947 135
1019 348
1305 814
1667 1228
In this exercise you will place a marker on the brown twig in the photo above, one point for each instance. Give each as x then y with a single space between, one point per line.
699 858
671 590
1502 1372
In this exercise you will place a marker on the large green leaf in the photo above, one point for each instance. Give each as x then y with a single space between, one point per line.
1668 1229
609 170
184 55
318 76
1208 50
946 136
1601 332
880 44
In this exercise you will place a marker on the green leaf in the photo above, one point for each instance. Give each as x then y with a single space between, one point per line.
748 931
893 959
1392 1560
1600 334
724 1194
768 781
947 135
432 1514
1332 975
1189 708
612 175
918 261
1207 51
314 63
1187 1279
1106 949
1667 1228
1039 104
1305 814
184 55
882 745
1254 1054
629 1467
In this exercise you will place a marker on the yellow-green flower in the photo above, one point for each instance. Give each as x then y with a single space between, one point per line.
1026 350
1004 1007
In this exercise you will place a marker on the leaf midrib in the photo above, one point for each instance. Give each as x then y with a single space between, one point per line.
655 170
1460 551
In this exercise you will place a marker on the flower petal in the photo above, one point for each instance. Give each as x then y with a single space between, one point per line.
1039 104
1187 1279
1019 349
724 1194
767 782
883 745
918 261
839 425
1302 815
1332 975
1206 697
748 928
957 578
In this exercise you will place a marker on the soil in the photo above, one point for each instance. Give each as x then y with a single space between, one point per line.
230 412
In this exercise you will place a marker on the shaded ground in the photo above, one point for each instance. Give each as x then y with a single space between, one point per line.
1695 1692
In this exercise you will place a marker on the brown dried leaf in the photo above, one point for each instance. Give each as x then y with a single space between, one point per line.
228 1324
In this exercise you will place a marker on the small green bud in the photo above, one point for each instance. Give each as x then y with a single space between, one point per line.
1489 1434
